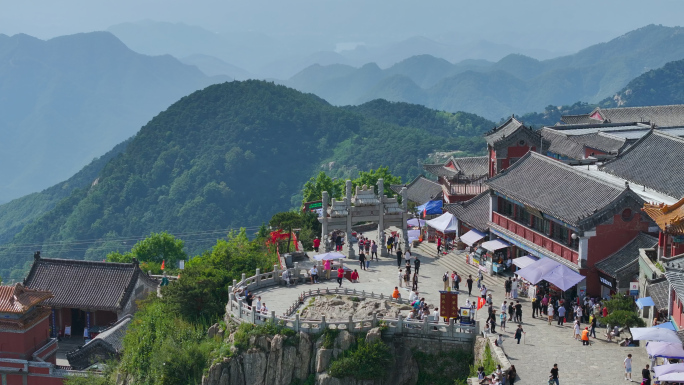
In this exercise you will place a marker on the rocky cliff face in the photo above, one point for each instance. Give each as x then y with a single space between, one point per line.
272 360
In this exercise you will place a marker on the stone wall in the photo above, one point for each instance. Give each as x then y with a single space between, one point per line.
273 360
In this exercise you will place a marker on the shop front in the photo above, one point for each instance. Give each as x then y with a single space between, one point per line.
608 284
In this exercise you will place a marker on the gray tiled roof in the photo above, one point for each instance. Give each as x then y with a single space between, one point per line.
659 293
577 119
86 284
420 190
114 335
628 256
661 116
472 165
559 190
473 212
504 130
655 161
573 146
676 279
440 170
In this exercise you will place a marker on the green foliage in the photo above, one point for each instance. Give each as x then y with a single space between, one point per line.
442 368
624 318
662 86
370 178
329 336
363 361
488 362
286 220
311 380
157 247
314 187
620 302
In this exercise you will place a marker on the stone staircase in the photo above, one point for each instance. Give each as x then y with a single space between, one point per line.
455 260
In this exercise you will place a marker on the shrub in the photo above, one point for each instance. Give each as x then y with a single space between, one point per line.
363 361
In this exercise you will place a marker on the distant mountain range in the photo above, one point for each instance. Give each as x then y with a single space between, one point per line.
281 57
70 99
227 156
513 84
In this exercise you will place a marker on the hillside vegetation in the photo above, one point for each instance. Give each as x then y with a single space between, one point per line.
513 84
70 99
231 156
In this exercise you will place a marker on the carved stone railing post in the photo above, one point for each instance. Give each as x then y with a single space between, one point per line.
374 322
258 278
350 325
400 324
323 326
297 326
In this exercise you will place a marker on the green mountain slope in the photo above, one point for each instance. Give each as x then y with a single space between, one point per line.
660 86
233 155
70 99
591 74
14 215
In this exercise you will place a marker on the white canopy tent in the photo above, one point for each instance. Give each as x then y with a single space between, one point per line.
655 334
445 223
471 237
495 245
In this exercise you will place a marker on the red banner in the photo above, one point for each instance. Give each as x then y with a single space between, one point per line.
480 302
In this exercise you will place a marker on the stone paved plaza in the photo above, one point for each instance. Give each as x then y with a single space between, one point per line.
544 345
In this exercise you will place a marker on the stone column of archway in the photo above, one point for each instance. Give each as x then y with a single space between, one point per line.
324 223
381 218
348 201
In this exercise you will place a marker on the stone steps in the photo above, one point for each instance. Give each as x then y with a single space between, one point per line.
455 261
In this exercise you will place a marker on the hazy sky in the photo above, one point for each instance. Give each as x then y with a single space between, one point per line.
536 23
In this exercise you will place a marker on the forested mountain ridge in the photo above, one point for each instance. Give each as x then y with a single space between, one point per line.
493 90
232 155
73 98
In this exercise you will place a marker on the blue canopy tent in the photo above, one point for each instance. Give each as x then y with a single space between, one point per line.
430 208
645 301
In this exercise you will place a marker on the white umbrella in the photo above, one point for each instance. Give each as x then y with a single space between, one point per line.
665 369
672 377
326 256
655 334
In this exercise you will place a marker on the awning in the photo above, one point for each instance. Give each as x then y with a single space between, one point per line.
524 261
495 245
645 301
472 236
445 223
655 334
665 349
668 368
537 270
666 325
415 222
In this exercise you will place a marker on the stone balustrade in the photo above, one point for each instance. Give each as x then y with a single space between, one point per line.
239 311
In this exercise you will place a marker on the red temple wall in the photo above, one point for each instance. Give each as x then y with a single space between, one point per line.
612 237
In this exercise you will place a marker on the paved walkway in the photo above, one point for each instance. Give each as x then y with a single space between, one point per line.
544 345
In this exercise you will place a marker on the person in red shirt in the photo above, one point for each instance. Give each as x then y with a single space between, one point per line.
355 276
340 275
605 311
316 244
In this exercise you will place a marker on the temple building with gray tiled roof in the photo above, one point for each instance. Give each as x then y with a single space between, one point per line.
471 214
88 294
509 142
461 178
546 208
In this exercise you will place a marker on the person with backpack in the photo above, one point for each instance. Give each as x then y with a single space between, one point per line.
374 251
362 259
479 279
445 280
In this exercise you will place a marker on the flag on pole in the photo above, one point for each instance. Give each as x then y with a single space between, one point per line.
424 212
480 303
163 264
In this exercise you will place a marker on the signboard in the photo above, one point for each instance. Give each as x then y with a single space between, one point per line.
448 304
678 239
606 280
312 206
466 315
634 288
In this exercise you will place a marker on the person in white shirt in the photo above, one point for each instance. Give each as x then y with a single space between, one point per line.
286 277
504 307
258 304
628 367
407 255
314 274
435 315
467 303
264 309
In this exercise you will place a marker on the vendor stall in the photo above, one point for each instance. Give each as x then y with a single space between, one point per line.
498 252
472 237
